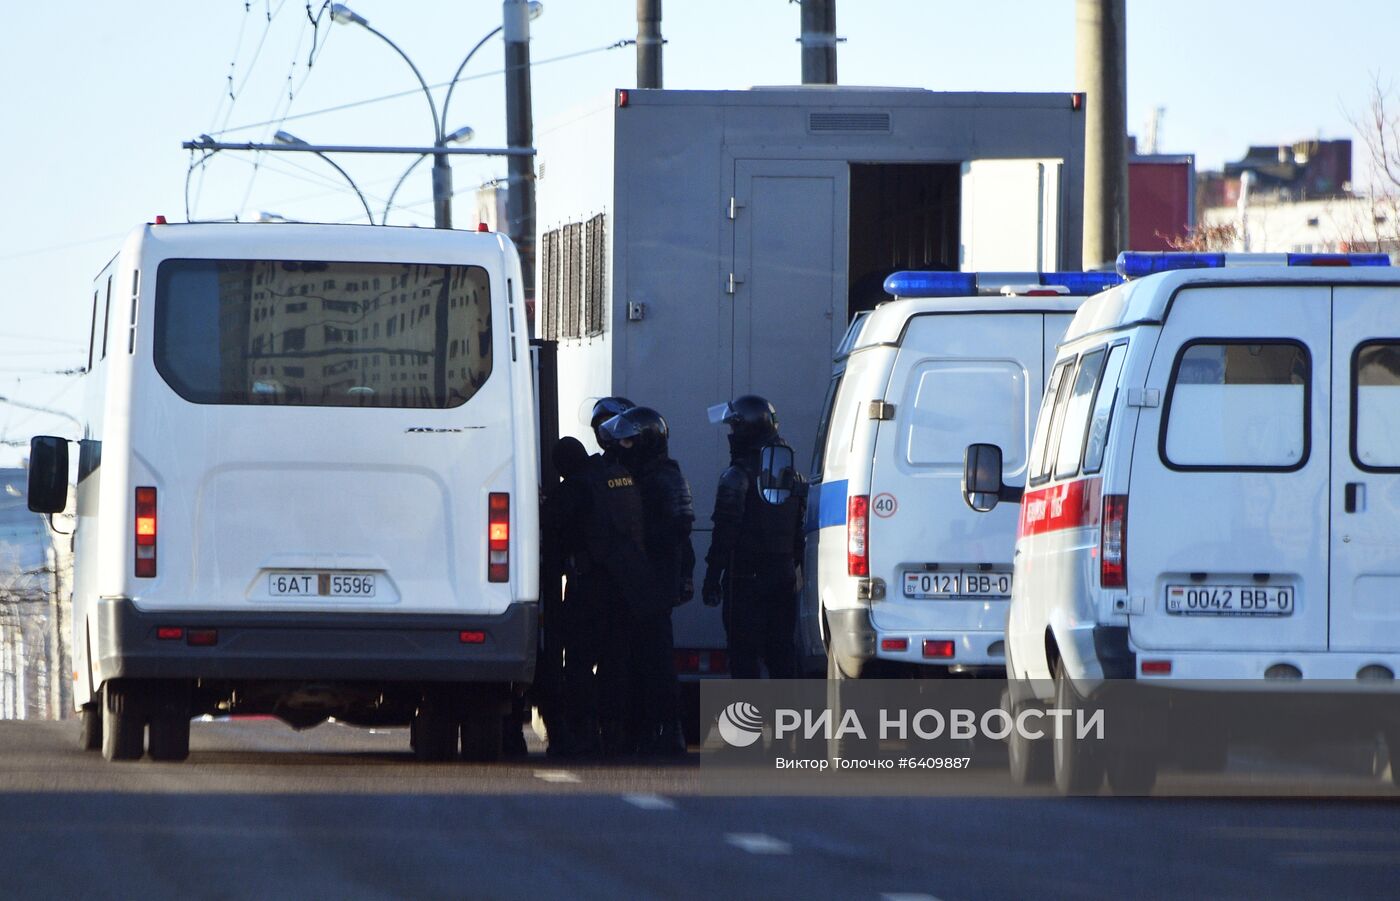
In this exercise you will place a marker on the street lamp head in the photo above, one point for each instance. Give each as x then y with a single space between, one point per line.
344 15
286 137
460 136
536 9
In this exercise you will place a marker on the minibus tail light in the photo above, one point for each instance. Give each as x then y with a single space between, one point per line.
858 535
1113 549
498 537
145 533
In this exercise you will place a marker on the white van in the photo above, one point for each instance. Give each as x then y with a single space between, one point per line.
900 578
306 485
1212 493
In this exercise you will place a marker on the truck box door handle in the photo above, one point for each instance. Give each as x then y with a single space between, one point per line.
1351 492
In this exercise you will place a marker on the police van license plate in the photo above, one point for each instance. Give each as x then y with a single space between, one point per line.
957 583
320 584
1230 600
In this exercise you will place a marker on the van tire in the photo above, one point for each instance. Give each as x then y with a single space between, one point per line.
1078 766
123 722
90 726
1030 761
170 736
482 737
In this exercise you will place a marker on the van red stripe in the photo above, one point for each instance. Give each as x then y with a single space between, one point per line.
1070 505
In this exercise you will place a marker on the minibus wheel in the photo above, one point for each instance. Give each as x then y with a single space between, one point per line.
434 732
90 726
123 721
1079 768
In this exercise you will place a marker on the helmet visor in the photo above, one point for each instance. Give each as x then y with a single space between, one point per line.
723 413
619 428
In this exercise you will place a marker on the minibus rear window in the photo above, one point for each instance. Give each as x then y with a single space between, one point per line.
327 334
1376 406
824 429
1238 405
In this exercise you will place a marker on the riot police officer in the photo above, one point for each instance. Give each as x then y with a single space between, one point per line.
606 408
595 526
755 548
642 438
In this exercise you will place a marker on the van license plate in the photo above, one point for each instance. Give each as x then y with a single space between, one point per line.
1230 600
323 585
957 583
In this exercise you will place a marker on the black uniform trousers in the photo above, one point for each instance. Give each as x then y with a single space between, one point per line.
760 620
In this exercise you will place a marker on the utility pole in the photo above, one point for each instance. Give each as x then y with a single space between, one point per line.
520 133
649 43
1100 71
818 41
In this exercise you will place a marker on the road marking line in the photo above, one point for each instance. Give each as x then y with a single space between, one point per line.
906 896
758 843
650 802
557 776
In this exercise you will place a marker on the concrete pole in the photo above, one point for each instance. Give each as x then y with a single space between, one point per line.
520 132
1100 72
649 43
819 41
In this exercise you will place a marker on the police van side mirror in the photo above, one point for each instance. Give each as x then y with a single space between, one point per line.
48 474
982 486
776 474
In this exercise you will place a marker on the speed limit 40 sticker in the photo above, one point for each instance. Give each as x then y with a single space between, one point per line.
884 505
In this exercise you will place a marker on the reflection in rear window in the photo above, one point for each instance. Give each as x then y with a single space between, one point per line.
332 334
1238 406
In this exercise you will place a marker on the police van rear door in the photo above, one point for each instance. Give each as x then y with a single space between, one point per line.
959 378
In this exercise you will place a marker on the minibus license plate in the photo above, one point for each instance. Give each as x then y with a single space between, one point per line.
323 585
1230 600
957 583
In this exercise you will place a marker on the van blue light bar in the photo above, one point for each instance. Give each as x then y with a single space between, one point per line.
1338 259
931 284
968 284
1134 264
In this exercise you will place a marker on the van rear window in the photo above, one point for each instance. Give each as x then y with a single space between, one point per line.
1238 405
328 334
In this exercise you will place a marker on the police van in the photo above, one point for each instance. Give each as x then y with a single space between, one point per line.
306 485
1212 492
899 577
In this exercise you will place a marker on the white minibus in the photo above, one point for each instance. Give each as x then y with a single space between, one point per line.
306 485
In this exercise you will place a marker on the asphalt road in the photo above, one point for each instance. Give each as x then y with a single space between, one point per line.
260 811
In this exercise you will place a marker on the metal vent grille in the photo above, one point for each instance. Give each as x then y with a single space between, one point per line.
865 123
569 326
595 249
549 291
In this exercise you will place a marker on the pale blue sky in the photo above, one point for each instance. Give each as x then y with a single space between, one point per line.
100 95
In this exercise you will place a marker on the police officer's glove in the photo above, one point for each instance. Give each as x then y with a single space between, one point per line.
710 593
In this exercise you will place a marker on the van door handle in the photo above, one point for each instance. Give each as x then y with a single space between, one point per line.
1350 495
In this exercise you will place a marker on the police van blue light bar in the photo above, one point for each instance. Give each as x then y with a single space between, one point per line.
1134 264
968 284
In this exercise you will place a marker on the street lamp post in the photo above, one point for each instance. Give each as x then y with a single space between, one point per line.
442 172
291 140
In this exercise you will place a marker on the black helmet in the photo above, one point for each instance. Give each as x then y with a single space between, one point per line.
750 418
606 408
646 427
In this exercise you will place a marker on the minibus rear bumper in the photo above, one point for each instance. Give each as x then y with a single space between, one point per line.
285 645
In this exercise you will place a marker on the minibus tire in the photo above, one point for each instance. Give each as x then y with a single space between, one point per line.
1078 766
123 722
482 737
90 726
1030 761
434 735
170 736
